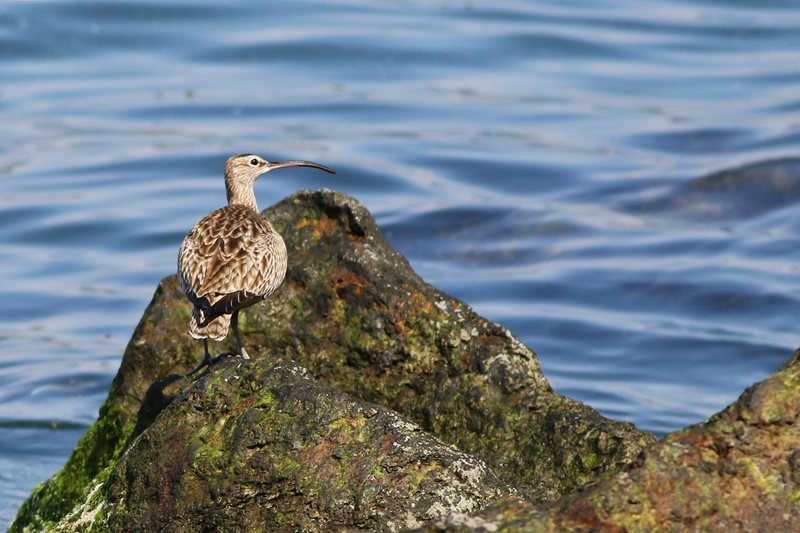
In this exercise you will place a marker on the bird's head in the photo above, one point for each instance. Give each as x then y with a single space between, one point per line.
241 172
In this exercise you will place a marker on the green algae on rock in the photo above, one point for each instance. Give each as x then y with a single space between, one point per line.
739 471
260 445
150 354
353 312
356 315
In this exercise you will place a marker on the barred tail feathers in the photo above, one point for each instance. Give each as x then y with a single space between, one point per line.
217 329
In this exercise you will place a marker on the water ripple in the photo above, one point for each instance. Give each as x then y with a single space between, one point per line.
616 182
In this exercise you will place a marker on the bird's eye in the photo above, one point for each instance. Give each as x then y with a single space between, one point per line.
254 162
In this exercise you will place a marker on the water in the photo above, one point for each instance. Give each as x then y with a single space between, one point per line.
551 163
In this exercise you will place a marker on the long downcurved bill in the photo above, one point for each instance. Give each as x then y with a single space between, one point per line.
280 164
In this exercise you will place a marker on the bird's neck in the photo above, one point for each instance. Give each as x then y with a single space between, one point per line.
241 195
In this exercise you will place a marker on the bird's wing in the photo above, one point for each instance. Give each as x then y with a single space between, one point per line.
271 257
231 259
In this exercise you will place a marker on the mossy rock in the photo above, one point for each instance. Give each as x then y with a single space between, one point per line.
353 313
737 472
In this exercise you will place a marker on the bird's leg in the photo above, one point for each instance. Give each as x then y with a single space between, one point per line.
235 326
207 360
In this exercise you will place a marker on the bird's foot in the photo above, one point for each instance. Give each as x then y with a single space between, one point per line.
208 360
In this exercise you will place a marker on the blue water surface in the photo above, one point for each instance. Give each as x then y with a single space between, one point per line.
617 182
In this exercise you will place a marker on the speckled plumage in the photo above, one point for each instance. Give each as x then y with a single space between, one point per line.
233 258
230 260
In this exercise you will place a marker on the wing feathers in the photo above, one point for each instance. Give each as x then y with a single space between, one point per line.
231 259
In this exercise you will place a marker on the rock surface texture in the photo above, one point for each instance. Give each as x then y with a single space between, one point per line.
375 402
739 471
264 447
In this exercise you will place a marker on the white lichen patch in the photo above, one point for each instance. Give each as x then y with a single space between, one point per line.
518 348
471 471
403 428
409 521
474 523
84 515
297 370
371 254
452 500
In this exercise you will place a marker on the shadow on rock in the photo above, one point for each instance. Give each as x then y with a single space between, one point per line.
402 382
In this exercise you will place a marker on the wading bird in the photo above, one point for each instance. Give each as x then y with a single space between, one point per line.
233 258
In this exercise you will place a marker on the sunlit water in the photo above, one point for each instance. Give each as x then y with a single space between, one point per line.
551 163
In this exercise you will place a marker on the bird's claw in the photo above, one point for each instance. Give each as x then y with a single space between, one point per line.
208 360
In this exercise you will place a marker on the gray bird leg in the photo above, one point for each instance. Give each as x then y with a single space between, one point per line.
235 326
208 360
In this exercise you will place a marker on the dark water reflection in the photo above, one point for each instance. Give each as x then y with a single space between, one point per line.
615 182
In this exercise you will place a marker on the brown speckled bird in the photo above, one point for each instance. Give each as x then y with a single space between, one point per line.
233 258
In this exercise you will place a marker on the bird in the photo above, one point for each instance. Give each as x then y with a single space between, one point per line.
233 257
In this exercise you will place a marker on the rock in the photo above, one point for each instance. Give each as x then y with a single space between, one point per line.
739 471
352 312
261 443
356 315
731 195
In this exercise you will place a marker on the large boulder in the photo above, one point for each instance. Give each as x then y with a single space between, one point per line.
737 472
254 446
367 329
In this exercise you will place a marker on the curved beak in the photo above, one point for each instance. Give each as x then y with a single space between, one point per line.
281 164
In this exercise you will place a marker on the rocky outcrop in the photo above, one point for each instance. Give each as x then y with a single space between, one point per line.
366 391
249 445
739 471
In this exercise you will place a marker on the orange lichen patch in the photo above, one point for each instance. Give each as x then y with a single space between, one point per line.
582 514
305 222
348 283
418 301
300 455
328 225
399 326
319 452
